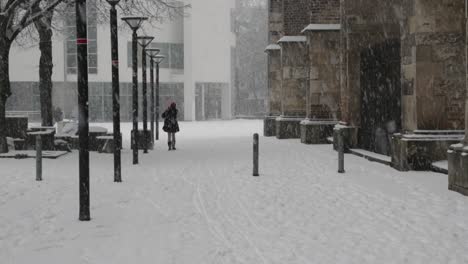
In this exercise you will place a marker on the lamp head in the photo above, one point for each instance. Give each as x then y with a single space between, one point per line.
144 41
152 52
159 58
134 22
113 2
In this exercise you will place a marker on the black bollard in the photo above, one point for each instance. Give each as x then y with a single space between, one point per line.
341 151
255 154
38 158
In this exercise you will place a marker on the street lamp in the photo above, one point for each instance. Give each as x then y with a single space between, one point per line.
152 53
134 22
115 90
83 125
158 59
144 41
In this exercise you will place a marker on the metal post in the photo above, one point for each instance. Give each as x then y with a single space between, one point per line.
38 158
135 97
152 98
341 149
255 154
145 100
83 127
115 95
157 101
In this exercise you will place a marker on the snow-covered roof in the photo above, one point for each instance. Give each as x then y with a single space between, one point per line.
292 39
272 47
321 27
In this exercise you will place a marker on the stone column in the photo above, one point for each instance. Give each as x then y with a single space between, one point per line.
274 89
323 93
276 31
293 86
458 153
433 83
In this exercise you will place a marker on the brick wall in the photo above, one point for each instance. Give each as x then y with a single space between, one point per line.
275 20
299 13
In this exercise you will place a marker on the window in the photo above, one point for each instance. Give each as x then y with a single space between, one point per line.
174 53
71 51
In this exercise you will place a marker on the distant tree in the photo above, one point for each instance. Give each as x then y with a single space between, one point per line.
250 61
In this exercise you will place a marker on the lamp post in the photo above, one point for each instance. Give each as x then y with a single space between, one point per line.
152 53
115 90
134 22
144 41
83 126
158 60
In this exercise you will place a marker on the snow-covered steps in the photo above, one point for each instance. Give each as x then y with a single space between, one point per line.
24 154
440 166
372 156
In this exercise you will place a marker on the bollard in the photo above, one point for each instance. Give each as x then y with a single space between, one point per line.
341 149
255 155
38 158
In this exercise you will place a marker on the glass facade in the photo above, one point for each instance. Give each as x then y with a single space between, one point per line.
174 53
70 48
25 98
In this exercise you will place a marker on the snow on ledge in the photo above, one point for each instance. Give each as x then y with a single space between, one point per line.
318 122
372 156
286 118
272 47
292 39
441 166
322 27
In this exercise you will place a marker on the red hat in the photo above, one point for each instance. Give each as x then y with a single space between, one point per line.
173 105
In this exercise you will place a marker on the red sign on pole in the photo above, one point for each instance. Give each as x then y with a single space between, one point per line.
82 41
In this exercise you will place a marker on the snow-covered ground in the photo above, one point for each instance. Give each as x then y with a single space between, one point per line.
200 204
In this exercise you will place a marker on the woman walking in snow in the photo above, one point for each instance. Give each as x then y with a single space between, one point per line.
171 126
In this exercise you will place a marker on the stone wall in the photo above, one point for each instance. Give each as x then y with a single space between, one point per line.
294 78
299 13
275 20
364 23
433 38
274 81
433 74
324 63
325 12
466 63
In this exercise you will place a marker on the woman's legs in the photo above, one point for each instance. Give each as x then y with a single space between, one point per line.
169 143
173 141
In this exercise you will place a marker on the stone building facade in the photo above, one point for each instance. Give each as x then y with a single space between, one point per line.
287 20
403 79
458 153
323 96
392 72
273 50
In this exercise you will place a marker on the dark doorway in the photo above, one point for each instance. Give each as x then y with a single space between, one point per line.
380 96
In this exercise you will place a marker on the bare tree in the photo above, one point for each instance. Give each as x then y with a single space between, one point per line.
44 29
18 15
15 16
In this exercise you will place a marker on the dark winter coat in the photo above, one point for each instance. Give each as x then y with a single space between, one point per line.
170 120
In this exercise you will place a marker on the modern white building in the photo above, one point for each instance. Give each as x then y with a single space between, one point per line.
196 74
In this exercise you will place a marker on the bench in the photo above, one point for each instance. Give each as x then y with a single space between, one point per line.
47 135
105 144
